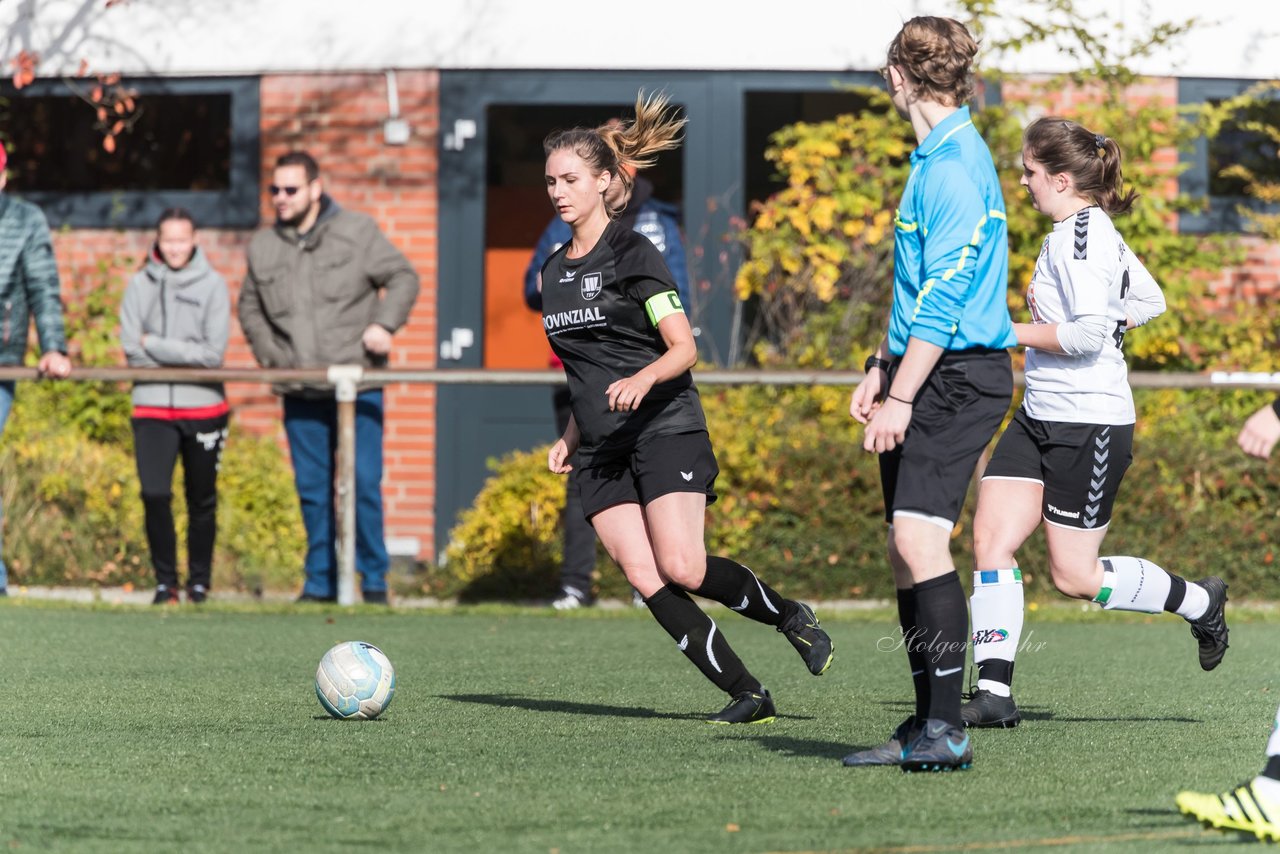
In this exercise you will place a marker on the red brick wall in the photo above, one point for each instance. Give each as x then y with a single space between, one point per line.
1162 90
338 118
1256 280
1258 277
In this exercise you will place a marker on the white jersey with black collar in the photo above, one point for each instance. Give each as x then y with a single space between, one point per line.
1086 274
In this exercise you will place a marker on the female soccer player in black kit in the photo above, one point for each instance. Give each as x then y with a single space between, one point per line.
611 313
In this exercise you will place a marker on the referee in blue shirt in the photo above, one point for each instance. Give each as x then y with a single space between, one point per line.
940 382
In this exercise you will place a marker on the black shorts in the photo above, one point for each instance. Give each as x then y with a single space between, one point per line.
955 416
1080 466
680 462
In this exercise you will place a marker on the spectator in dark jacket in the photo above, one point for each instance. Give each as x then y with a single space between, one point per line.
657 221
175 313
29 288
326 287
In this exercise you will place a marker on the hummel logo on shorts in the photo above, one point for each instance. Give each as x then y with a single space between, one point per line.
684 643
687 475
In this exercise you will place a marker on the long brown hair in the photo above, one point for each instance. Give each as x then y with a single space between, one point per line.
937 53
1091 159
622 147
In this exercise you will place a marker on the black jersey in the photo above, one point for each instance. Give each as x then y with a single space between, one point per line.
593 311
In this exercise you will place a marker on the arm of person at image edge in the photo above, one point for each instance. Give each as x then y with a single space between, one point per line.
40 276
1261 431
149 350
949 218
1084 286
626 394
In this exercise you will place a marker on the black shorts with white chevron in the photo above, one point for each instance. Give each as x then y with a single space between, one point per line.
1080 466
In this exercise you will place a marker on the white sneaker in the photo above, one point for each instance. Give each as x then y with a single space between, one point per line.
567 602
569 598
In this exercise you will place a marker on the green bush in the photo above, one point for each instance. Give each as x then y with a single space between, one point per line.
73 514
800 502
507 545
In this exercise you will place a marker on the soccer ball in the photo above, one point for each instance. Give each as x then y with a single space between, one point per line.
355 681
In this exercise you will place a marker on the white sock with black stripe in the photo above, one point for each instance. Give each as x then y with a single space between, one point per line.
1137 584
997 613
1269 780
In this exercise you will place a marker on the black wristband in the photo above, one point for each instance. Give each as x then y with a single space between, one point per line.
1275 406
874 361
900 400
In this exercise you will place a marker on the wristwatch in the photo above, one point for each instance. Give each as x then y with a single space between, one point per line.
874 361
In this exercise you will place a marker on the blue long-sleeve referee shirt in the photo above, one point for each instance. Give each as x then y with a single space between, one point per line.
951 248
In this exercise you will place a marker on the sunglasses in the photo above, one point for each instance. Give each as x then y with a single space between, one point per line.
273 190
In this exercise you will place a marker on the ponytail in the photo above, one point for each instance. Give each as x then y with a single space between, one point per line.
1091 159
622 147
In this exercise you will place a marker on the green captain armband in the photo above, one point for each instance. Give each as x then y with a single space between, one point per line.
662 305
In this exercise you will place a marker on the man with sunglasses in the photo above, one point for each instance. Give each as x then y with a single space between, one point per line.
326 287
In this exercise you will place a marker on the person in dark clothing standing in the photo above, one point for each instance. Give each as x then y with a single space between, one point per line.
656 220
29 288
326 287
176 313
612 314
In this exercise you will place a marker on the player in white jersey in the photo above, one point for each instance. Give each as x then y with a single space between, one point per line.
1066 450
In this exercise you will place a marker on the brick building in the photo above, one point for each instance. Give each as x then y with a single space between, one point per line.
457 183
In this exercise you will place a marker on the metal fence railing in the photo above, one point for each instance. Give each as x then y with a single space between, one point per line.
347 379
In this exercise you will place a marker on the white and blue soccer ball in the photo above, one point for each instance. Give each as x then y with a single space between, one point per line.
355 681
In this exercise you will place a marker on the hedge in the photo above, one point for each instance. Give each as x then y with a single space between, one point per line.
800 502
73 512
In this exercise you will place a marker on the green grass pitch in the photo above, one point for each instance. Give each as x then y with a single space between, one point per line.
128 729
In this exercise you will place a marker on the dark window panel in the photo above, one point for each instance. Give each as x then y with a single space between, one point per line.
1203 179
177 142
195 143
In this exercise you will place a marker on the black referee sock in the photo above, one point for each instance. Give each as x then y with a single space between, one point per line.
915 655
738 589
700 640
943 619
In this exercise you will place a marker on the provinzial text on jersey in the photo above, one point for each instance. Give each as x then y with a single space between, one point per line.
574 318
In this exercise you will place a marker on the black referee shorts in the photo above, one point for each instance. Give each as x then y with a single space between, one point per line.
1080 466
680 462
955 416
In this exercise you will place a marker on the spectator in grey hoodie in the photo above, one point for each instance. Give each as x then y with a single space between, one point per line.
175 314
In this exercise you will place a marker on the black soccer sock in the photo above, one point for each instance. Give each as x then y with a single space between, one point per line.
943 620
915 656
738 589
700 640
1272 768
